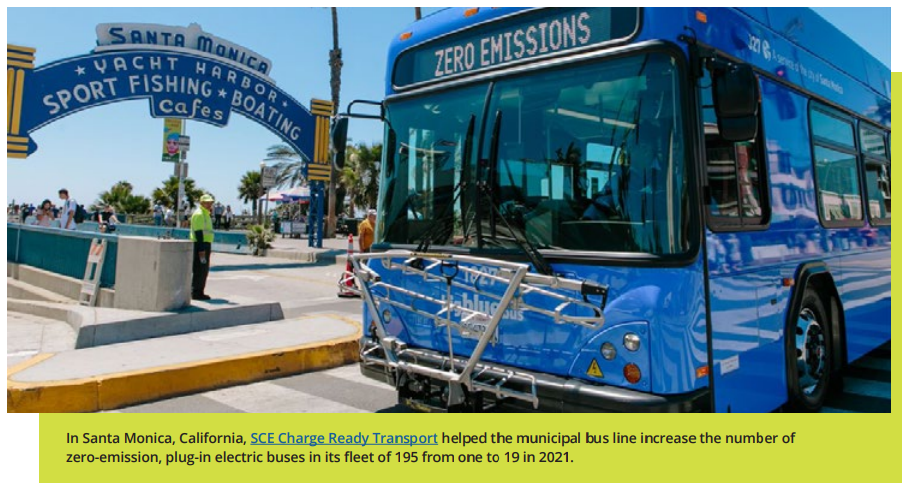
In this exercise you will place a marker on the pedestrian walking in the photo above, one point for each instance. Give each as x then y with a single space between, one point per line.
67 211
227 217
217 215
169 219
44 214
158 214
202 236
186 213
366 231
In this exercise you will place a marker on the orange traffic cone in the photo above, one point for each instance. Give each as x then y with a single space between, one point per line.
346 286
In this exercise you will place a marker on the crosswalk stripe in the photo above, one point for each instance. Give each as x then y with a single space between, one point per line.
874 363
863 387
352 374
266 397
835 410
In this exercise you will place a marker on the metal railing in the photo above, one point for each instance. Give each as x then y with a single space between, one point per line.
559 300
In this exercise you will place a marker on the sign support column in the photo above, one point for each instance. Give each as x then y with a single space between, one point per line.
319 169
19 64
183 154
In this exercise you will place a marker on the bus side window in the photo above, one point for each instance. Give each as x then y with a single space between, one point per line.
721 171
877 173
836 168
735 175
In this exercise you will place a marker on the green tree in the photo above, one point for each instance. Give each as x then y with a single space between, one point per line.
251 189
121 198
167 195
335 64
361 174
290 170
290 166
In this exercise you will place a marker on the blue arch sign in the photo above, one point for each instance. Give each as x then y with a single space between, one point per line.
179 82
184 73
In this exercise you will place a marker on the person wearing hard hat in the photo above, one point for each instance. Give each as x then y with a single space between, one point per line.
202 236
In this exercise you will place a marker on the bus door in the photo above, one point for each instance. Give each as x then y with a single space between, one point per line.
747 358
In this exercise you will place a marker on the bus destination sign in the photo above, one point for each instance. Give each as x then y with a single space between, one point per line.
543 32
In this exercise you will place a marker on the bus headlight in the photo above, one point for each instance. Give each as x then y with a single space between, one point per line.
631 342
608 351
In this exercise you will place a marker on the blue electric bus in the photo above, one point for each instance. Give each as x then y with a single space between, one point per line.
628 209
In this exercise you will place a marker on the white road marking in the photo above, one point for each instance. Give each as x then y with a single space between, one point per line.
266 397
864 387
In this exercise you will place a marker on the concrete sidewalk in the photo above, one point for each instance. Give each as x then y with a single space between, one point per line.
140 359
334 250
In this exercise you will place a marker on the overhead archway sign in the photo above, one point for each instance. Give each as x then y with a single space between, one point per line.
183 72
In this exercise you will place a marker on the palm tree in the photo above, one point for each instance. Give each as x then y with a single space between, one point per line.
251 189
361 175
335 63
121 198
290 166
167 195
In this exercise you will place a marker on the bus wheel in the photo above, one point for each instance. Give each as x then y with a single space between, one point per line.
810 351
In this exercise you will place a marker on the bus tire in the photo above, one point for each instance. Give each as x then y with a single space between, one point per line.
809 355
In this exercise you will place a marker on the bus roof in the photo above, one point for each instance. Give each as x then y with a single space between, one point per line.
808 30
801 26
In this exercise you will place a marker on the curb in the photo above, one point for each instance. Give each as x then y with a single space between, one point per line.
19 290
94 329
113 391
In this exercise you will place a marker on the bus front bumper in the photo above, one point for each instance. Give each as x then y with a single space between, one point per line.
554 393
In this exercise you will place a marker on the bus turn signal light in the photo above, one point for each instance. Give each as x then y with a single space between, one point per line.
632 373
470 12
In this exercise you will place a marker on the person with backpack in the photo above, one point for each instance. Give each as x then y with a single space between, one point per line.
70 212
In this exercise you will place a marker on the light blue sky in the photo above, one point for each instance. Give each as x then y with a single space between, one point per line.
90 151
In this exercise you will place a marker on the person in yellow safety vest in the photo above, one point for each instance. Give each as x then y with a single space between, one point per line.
202 236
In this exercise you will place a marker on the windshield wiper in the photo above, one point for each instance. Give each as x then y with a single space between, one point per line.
533 254
437 227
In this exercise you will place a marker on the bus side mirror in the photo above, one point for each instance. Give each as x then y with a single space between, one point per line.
736 96
340 140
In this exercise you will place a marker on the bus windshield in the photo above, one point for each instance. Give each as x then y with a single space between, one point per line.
586 159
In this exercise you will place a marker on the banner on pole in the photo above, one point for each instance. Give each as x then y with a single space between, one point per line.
172 131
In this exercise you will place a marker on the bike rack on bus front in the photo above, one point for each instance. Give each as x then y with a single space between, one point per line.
446 269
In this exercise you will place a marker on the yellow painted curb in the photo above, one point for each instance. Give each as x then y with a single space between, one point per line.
113 391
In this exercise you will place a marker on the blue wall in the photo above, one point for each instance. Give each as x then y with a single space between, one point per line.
59 251
224 241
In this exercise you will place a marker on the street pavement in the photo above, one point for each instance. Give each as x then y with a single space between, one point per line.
345 390
866 385
320 331
340 390
309 291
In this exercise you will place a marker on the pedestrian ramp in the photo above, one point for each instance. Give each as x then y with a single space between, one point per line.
103 326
